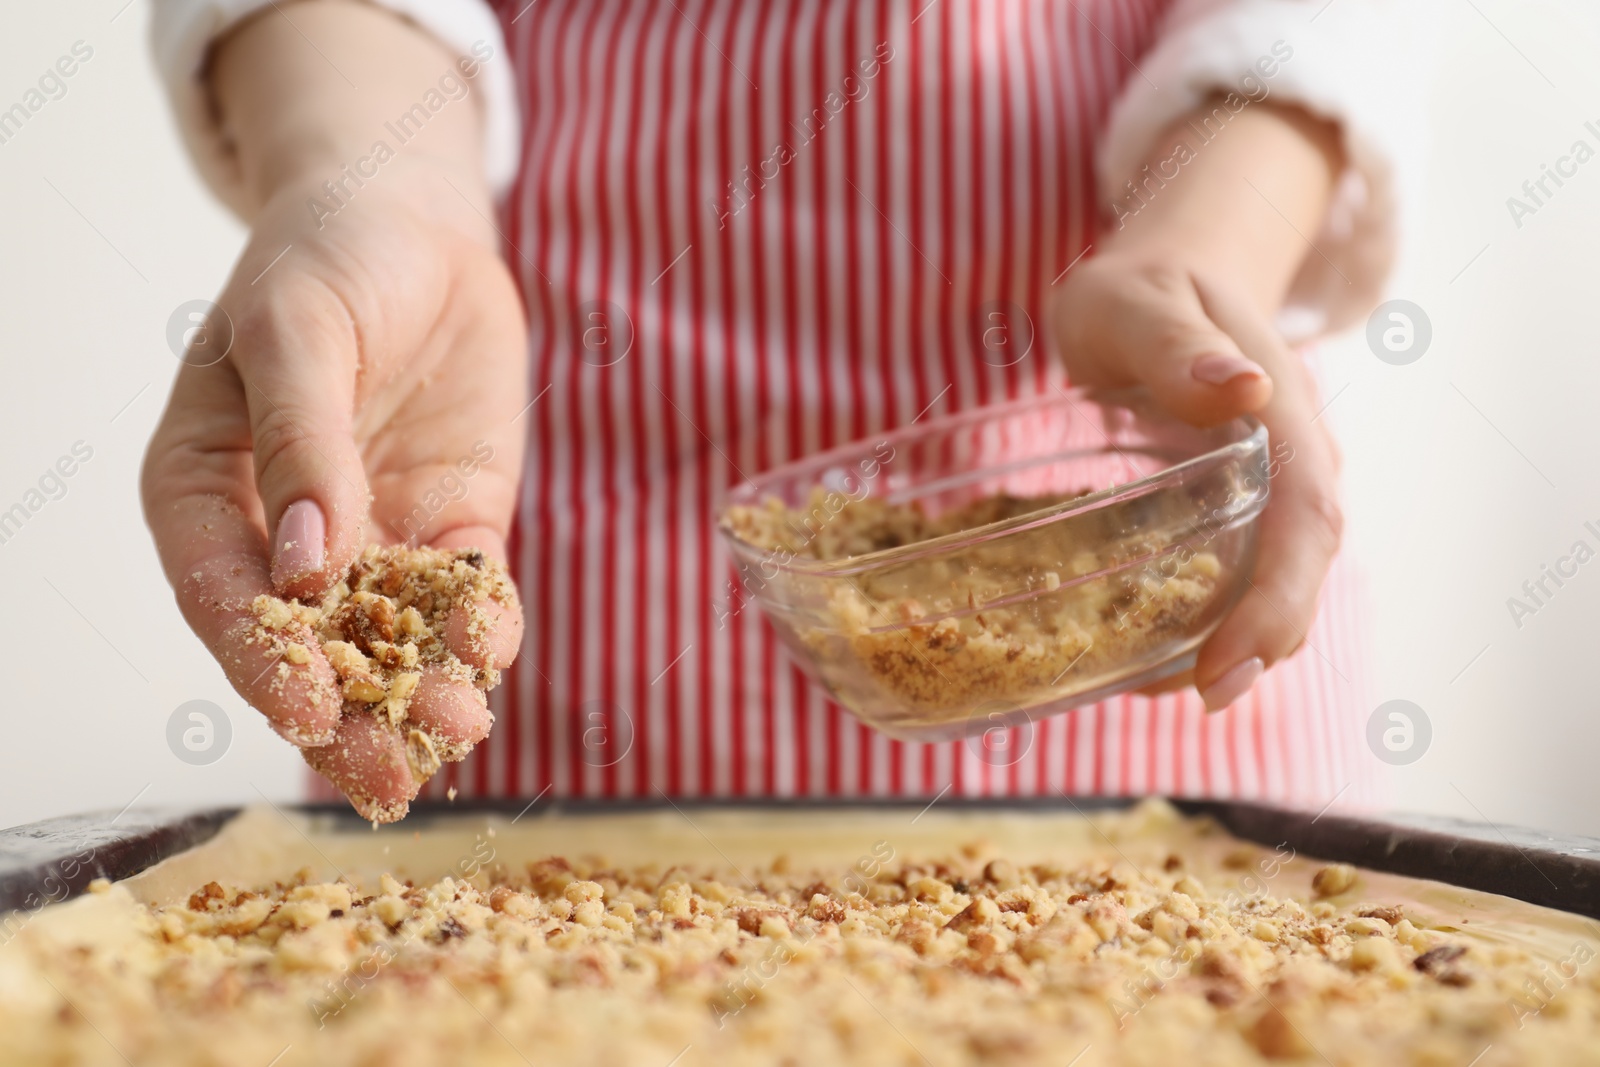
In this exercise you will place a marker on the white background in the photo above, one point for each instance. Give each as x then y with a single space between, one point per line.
1466 471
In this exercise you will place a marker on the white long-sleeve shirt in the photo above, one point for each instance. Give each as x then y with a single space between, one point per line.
1361 63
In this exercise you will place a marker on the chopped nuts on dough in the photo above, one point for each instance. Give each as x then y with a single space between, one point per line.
971 958
1334 879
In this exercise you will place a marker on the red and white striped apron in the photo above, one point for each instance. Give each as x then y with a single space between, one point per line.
908 161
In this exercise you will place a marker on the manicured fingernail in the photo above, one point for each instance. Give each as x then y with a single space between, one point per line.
303 735
302 534
1233 685
1220 369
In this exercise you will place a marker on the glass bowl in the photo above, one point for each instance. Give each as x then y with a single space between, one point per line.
996 566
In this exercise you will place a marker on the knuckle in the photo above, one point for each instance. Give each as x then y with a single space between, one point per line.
1166 277
1180 339
295 316
282 451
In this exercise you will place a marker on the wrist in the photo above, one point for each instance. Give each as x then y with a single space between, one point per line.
1240 201
337 163
333 91
420 187
1207 254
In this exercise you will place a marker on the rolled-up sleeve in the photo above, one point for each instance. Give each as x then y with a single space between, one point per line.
1359 63
182 32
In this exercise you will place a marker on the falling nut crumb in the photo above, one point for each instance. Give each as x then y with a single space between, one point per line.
421 755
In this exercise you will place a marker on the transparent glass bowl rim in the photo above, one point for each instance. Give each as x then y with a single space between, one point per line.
1249 433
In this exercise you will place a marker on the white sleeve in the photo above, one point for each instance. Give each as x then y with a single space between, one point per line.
1360 63
181 33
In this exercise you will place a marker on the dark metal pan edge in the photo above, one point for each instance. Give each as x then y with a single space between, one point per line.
1560 873
54 860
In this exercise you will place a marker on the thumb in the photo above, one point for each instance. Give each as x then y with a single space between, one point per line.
1161 337
297 360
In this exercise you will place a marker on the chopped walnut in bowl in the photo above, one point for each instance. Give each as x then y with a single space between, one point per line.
965 573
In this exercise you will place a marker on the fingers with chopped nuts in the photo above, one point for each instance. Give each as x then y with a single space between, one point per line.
368 762
487 636
454 712
368 395
385 632
281 670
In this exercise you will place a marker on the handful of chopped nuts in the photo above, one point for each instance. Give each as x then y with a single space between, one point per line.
399 612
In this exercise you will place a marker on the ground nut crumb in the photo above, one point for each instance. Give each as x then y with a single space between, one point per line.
1366 928
410 622
1169 928
1001 872
1392 916
345 658
404 686
1407 933
1375 954
302 913
272 612
578 892
1333 879
421 755
930 889
334 894
391 910
1183 906
981 912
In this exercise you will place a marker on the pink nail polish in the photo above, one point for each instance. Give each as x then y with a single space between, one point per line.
1220 369
1233 685
301 543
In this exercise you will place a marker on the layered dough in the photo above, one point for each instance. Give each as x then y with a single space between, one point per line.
788 937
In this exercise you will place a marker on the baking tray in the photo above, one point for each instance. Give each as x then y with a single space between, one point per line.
56 859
